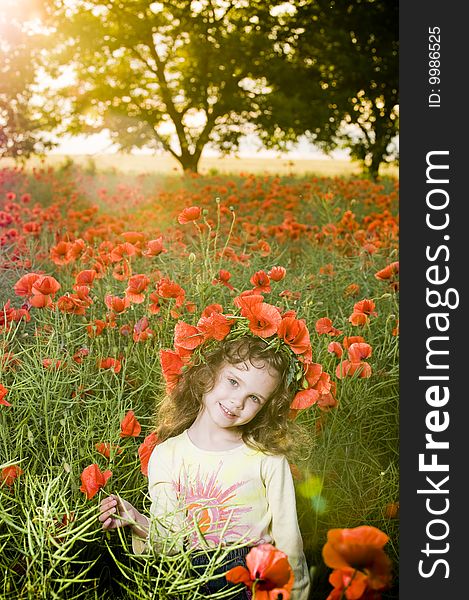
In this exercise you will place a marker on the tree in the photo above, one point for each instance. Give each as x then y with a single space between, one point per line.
336 63
174 74
21 123
179 74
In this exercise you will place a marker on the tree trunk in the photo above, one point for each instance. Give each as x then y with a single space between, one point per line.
373 167
189 162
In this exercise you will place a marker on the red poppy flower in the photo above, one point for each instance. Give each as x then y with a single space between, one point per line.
9 313
215 327
96 328
223 278
171 366
125 329
154 307
268 572
92 480
122 271
353 339
359 549
116 304
212 308
85 277
352 289
154 247
24 285
80 354
3 393
190 306
187 336
142 331
45 285
105 448
130 427
32 227
304 399
122 251
359 351
365 306
358 318
277 273
40 301
110 363
295 333
191 213
166 288
264 248
48 363
388 272
327 269
264 319
76 248
145 449
60 254
348 368
313 373
323 384
327 401
137 284
72 304
82 293
133 237
8 475
261 282
335 348
324 325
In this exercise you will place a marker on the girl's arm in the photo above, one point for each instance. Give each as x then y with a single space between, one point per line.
284 528
116 512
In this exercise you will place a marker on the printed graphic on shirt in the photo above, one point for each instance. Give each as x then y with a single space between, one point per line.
210 506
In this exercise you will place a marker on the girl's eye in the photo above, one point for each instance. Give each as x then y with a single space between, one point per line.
255 399
232 381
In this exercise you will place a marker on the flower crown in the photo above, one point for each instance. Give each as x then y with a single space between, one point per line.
283 332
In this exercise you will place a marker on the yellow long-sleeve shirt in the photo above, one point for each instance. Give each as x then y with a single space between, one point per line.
233 496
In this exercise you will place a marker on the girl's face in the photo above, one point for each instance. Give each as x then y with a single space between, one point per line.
239 393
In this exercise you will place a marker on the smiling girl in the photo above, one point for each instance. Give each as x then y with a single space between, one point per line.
220 465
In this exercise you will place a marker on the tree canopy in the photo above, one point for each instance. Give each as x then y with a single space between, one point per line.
173 74
336 65
179 74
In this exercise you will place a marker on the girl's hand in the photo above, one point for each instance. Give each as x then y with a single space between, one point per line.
116 512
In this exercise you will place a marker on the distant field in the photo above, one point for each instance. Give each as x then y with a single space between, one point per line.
152 164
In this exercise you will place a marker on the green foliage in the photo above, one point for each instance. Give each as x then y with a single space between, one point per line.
178 75
335 75
145 65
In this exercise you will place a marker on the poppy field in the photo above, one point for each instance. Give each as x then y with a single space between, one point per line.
96 271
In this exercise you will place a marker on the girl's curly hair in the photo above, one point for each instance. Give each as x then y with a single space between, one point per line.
271 431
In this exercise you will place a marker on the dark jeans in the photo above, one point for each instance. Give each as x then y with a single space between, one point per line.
234 558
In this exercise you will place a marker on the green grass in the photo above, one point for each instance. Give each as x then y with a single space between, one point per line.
51 545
